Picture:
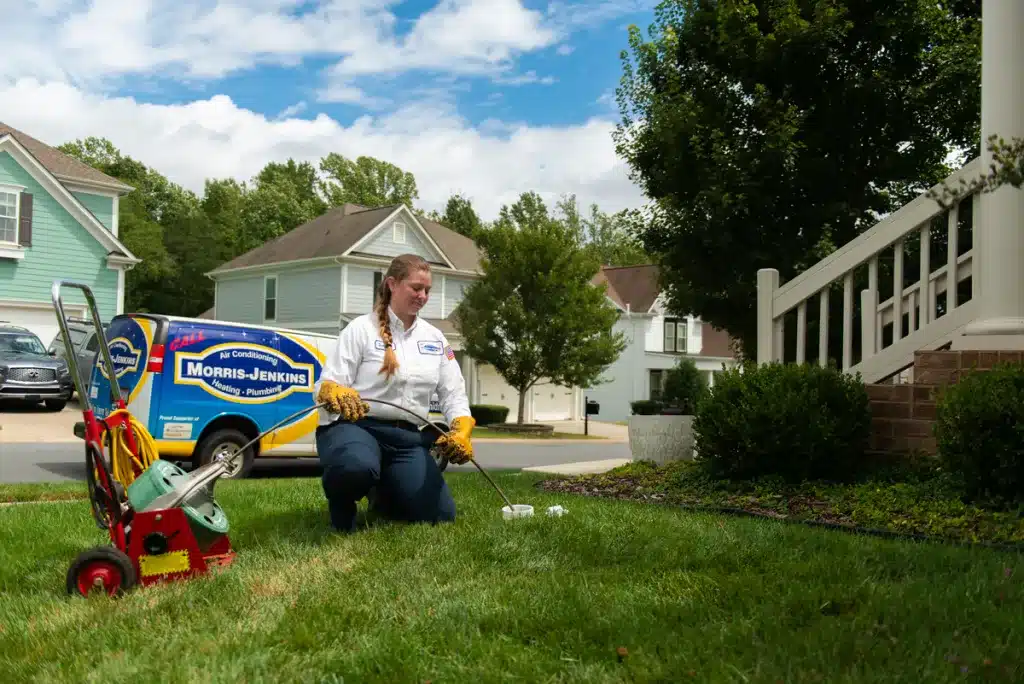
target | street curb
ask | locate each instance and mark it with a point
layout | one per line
(545, 440)
(579, 467)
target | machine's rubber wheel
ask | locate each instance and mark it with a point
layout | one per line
(226, 439)
(104, 568)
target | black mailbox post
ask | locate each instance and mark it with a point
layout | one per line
(590, 408)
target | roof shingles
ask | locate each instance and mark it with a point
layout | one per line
(334, 232)
(62, 165)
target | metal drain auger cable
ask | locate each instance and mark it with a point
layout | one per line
(321, 405)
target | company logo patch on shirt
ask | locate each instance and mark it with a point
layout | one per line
(449, 352)
(428, 347)
(379, 344)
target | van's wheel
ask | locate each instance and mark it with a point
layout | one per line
(226, 441)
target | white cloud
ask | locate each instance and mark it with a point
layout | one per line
(214, 138)
(97, 43)
(64, 60)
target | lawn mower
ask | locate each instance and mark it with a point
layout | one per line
(163, 522)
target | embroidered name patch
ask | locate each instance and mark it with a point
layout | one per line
(427, 347)
(379, 344)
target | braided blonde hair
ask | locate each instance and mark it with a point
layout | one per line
(400, 268)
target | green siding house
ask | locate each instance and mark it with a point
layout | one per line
(58, 220)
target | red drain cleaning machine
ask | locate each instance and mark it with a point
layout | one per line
(164, 523)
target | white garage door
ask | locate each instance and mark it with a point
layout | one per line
(40, 319)
(551, 402)
(495, 391)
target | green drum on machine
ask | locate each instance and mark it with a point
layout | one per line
(206, 518)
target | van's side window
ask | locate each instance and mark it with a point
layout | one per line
(93, 344)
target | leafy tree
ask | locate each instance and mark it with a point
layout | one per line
(612, 237)
(769, 133)
(460, 216)
(1007, 168)
(366, 181)
(140, 216)
(534, 313)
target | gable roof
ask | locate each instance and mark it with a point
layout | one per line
(336, 231)
(638, 287)
(635, 286)
(64, 167)
(116, 251)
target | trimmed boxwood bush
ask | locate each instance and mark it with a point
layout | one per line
(646, 407)
(979, 431)
(488, 414)
(795, 422)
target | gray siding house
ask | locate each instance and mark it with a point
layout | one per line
(324, 273)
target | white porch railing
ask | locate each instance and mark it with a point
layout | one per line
(914, 309)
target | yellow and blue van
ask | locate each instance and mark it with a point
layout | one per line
(201, 387)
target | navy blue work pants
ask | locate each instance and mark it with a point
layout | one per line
(360, 456)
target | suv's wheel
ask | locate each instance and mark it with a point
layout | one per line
(226, 441)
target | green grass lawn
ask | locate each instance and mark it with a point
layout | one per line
(614, 591)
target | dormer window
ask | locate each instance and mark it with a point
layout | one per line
(675, 335)
(398, 233)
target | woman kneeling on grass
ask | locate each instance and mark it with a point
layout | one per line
(374, 450)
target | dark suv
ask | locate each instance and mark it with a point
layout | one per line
(85, 343)
(28, 372)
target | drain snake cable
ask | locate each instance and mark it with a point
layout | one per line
(123, 463)
(122, 459)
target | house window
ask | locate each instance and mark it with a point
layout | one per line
(270, 298)
(675, 335)
(657, 385)
(9, 216)
(398, 232)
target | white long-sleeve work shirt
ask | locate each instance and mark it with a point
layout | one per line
(426, 364)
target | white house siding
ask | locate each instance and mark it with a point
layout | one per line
(625, 379)
(628, 379)
(654, 338)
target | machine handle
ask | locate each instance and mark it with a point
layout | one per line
(58, 305)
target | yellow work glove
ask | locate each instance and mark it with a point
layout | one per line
(456, 444)
(344, 401)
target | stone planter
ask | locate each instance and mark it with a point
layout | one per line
(661, 438)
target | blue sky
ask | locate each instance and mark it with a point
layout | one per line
(207, 88)
(555, 85)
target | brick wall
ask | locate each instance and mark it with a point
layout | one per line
(903, 416)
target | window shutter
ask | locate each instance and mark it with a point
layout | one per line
(25, 223)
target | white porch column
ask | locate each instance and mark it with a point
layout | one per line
(999, 230)
(469, 376)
